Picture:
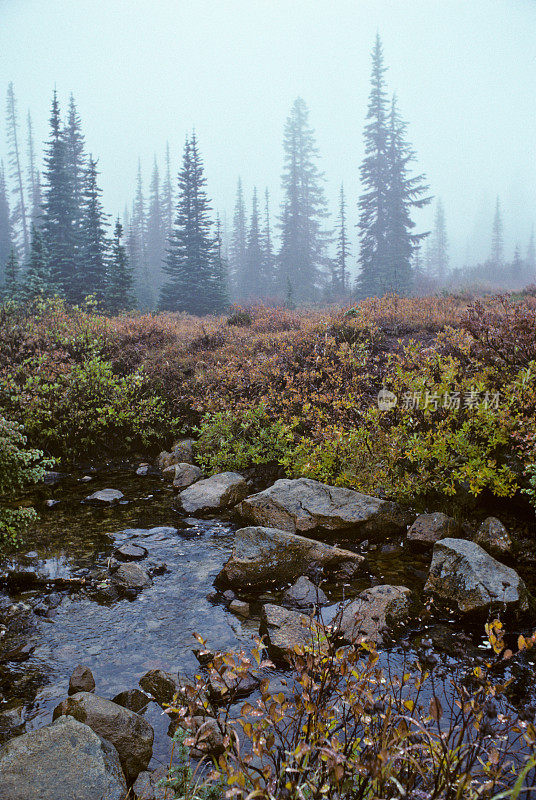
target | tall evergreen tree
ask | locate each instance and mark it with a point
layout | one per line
(497, 241)
(341, 276)
(518, 268)
(238, 243)
(252, 282)
(120, 294)
(167, 197)
(18, 213)
(59, 212)
(6, 236)
(268, 258)
(93, 250)
(192, 283)
(439, 245)
(220, 278)
(137, 247)
(11, 277)
(155, 233)
(530, 260)
(37, 280)
(302, 254)
(34, 180)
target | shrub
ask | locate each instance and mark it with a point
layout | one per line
(19, 466)
(231, 440)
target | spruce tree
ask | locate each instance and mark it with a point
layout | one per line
(138, 248)
(439, 256)
(220, 278)
(6, 235)
(238, 244)
(303, 241)
(18, 213)
(37, 279)
(155, 249)
(191, 265)
(497, 242)
(252, 282)
(341, 276)
(93, 244)
(268, 259)
(11, 277)
(120, 293)
(34, 180)
(167, 198)
(60, 213)
(518, 268)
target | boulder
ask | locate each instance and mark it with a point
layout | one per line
(493, 537)
(105, 497)
(430, 528)
(161, 685)
(374, 613)
(464, 576)
(147, 785)
(130, 734)
(63, 761)
(181, 453)
(240, 608)
(185, 475)
(133, 699)
(303, 505)
(206, 737)
(267, 555)
(219, 491)
(129, 580)
(304, 594)
(130, 552)
(81, 680)
(229, 685)
(286, 630)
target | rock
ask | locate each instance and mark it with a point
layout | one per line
(146, 785)
(51, 503)
(493, 537)
(130, 734)
(211, 494)
(185, 475)
(430, 528)
(267, 555)
(129, 580)
(230, 686)
(161, 685)
(370, 616)
(181, 453)
(130, 552)
(81, 680)
(63, 761)
(304, 594)
(464, 575)
(11, 718)
(143, 470)
(51, 478)
(169, 473)
(133, 699)
(303, 505)
(106, 497)
(240, 608)
(207, 739)
(285, 630)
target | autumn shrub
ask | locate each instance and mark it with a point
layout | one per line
(504, 332)
(20, 466)
(349, 726)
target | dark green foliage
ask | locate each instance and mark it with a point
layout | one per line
(137, 248)
(238, 244)
(93, 245)
(120, 295)
(11, 277)
(37, 280)
(193, 267)
(303, 241)
(6, 236)
(341, 280)
(253, 282)
(156, 242)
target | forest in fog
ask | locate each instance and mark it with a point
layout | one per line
(172, 250)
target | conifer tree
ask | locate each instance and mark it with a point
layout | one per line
(120, 294)
(167, 199)
(220, 280)
(341, 277)
(18, 212)
(155, 232)
(518, 268)
(11, 277)
(253, 282)
(238, 244)
(34, 180)
(37, 279)
(302, 254)
(6, 236)
(497, 241)
(191, 265)
(59, 212)
(268, 259)
(93, 249)
(138, 247)
(530, 260)
(439, 256)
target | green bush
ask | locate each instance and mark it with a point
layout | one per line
(231, 440)
(19, 467)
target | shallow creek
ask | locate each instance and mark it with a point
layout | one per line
(52, 629)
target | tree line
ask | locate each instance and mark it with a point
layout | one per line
(178, 255)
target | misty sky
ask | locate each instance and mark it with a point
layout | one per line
(146, 71)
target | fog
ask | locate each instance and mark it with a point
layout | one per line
(143, 73)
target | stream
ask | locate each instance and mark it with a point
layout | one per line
(47, 630)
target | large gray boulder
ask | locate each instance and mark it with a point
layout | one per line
(463, 575)
(304, 505)
(374, 614)
(493, 537)
(151, 785)
(130, 734)
(304, 594)
(185, 475)
(220, 491)
(286, 630)
(181, 452)
(63, 761)
(430, 528)
(267, 555)
(161, 685)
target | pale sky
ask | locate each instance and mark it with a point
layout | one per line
(143, 72)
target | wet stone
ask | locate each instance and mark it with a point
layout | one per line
(105, 497)
(81, 680)
(130, 552)
(133, 699)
